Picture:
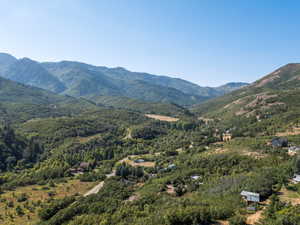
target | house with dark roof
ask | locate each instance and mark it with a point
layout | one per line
(279, 142)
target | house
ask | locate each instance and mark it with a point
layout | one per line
(226, 136)
(84, 166)
(278, 142)
(76, 171)
(296, 178)
(168, 168)
(195, 177)
(293, 150)
(171, 166)
(250, 196)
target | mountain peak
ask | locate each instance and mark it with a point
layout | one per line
(30, 72)
(282, 76)
(119, 69)
(6, 58)
(231, 86)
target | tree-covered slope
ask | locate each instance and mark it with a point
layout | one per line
(229, 87)
(88, 81)
(29, 72)
(266, 105)
(187, 176)
(21, 102)
(267, 91)
(141, 106)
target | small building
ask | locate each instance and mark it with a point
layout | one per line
(279, 142)
(250, 196)
(227, 136)
(293, 150)
(73, 171)
(172, 166)
(168, 168)
(76, 171)
(195, 177)
(296, 178)
(84, 166)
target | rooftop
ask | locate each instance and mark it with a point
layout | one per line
(247, 193)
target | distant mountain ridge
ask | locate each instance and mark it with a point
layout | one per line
(83, 80)
(232, 86)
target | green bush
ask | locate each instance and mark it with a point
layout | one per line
(237, 220)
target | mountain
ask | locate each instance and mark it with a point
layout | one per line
(21, 102)
(5, 61)
(69, 161)
(29, 72)
(229, 87)
(88, 81)
(286, 77)
(272, 101)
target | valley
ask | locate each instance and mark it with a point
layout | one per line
(149, 112)
(69, 160)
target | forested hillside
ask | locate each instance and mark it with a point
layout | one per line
(94, 82)
(108, 166)
(186, 174)
(266, 105)
(19, 102)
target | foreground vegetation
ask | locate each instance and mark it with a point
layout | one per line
(111, 166)
(43, 153)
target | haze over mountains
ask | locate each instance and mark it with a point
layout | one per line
(100, 84)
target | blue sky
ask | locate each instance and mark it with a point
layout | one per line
(207, 42)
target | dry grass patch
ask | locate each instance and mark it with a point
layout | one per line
(162, 118)
(170, 189)
(254, 218)
(290, 132)
(219, 150)
(35, 193)
(133, 198)
(255, 155)
(83, 140)
(144, 164)
(289, 196)
(130, 160)
(222, 222)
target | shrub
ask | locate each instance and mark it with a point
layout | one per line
(22, 198)
(237, 220)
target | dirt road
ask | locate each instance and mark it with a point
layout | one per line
(98, 187)
(95, 189)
